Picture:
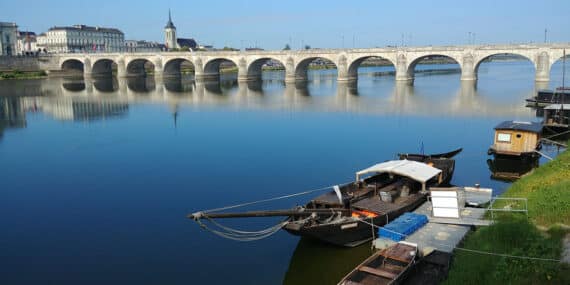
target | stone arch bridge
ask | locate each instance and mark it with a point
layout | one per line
(249, 64)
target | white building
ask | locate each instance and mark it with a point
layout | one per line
(27, 43)
(8, 38)
(143, 46)
(82, 38)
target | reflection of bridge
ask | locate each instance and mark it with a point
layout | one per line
(400, 98)
(249, 64)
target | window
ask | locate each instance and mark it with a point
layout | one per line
(503, 137)
(519, 136)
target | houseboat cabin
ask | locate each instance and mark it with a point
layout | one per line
(557, 117)
(513, 138)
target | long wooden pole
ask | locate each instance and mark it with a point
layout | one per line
(272, 213)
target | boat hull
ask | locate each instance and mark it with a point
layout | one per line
(350, 233)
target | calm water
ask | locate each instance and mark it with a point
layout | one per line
(98, 176)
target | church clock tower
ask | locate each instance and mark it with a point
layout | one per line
(170, 34)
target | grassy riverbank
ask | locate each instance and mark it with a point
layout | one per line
(548, 193)
(22, 74)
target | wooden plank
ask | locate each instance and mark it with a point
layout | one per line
(400, 252)
(378, 272)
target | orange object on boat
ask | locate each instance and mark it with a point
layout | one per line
(363, 213)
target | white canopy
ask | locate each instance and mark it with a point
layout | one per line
(418, 171)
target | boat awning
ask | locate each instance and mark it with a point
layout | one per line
(417, 171)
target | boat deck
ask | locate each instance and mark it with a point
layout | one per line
(375, 204)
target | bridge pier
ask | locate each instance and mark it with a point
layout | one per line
(542, 67)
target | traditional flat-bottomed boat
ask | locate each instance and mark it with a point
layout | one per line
(345, 216)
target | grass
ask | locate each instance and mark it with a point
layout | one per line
(515, 236)
(548, 192)
(16, 74)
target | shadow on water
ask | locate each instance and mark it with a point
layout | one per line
(317, 263)
(511, 169)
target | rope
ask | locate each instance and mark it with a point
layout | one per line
(268, 200)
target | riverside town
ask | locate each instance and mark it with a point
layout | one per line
(294, 143)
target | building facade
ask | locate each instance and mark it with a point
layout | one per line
(81, 38)
(8, 39)
(143, 46)
(27, 43)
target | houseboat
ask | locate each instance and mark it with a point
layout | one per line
(516, 139)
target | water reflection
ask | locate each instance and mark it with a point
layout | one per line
(141, 84)
(321, 96)
(511, 169)
(12, 114)
(317, 263)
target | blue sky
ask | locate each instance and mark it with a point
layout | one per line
(272, 24)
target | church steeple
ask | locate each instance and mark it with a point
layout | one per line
(170, 33)
(169, 24)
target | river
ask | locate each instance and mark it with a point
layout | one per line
(99, 175)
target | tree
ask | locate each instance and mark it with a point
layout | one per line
(307, 47)
(287, 47)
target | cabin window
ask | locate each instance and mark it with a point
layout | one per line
(502, 137)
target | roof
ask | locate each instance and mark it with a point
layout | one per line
(418, 171)
(532, 127)
(191, 43)
(26, 33)
(557, 107)
(86, 28)
(169, 24)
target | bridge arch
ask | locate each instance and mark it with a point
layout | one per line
(555, 71)
(489, 56)
(352, 72)
(73, 67)
(140, 67)
(411, 70)
(212, 68)
(507, 57)
(255, 68)
(103, 67)
(319, 62)
(177, 66)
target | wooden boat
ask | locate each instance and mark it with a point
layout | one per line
(516, 139)
(557, 118)
(544, 98)
(387, 266)
(426, 157)
(345, 216)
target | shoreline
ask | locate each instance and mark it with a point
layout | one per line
(540, 235)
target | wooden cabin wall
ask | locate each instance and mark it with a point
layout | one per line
(526, 143)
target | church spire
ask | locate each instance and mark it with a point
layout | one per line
(169, 24)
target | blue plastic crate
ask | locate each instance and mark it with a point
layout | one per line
(403, 226)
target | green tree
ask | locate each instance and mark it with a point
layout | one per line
(287, 47)
(307, 47)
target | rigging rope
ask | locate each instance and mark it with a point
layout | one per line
(269, 199)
